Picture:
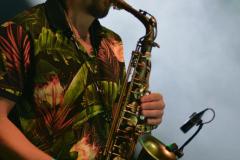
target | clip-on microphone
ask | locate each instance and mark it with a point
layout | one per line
(195, 119)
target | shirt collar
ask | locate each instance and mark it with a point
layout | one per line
(57, 21)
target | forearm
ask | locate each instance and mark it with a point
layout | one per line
(14, 142)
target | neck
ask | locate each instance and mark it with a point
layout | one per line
(79, 20)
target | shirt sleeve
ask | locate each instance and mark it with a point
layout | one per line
(14, 60)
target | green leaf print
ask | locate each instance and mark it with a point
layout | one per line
(87, 114)
(93, 104)
(56, 45)
(77, 86)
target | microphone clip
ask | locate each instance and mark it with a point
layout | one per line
(194, 120)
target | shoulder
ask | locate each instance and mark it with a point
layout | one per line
(110, 34)
(114, 42)
(12, 33)
(14, 38)
(34, 15)
(30, 20)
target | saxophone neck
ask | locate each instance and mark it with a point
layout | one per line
(149, 21)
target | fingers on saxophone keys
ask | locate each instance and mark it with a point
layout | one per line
(152, 121)
(152, 113)
(152, 97)
(159, 105)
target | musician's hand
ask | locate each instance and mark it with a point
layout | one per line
(152, 106)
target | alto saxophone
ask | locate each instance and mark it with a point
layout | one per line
(128, 127)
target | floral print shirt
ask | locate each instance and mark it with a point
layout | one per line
(57, 105)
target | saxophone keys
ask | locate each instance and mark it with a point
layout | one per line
(127, 119)
(117, 146)
(121, 131)
(156, 45)
(132, 113)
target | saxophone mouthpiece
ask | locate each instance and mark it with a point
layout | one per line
(118, 4)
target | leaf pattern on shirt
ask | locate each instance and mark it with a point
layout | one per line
(15, 48)
(50, 111)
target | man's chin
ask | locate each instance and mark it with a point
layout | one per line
(99, 14)
(102, 15)
(100, 8)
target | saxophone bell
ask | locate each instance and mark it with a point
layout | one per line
(154, 149)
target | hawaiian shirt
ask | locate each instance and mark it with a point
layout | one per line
(58, 107)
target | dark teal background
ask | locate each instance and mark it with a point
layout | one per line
(8, 8)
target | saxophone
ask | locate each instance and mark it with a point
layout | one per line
(128, 128)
